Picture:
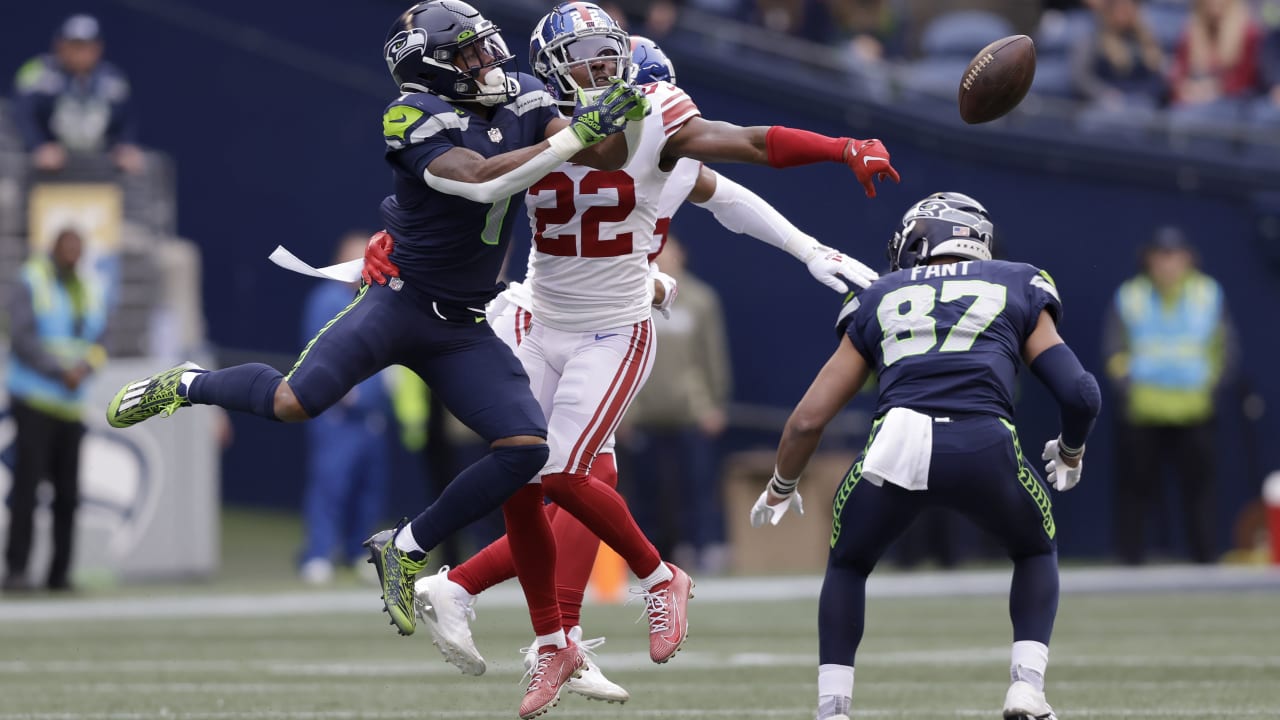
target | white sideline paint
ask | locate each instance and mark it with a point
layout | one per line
(1174, 578)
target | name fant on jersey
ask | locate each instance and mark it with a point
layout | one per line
(924, 272)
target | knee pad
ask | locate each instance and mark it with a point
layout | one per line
(522, 462)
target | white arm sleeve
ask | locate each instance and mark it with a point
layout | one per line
(742, 211)
(563, 145)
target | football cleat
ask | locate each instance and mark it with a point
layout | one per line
(448, 609)
(396, 572)
(144, 399)
(1024, 702)
(591, 683)
(667, 607)
(551, 669)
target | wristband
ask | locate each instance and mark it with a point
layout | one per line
(782, 487)
(1069, 453)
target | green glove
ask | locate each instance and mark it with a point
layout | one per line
(609, 113)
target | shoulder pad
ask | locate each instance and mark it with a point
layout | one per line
(414, 117)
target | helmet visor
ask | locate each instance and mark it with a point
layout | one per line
(484, 51)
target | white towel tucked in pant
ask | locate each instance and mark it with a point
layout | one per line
(901, 452)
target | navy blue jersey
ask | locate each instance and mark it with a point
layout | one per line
(948, 338)
(449, 248)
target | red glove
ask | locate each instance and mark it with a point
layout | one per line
(869, 160)
(377, 259)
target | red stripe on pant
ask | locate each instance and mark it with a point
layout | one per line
(617, 408)
(610, 407)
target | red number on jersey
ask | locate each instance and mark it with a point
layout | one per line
(564, 210)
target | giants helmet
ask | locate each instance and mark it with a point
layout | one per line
(651, 64)
(446, 48)
(944, 224)
(572, 35)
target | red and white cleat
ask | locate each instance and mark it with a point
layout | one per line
(553, 668)
(667, 606)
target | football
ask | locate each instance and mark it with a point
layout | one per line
(997, 79)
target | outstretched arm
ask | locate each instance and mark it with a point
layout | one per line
(742, 211)
(1072, 386)
(779, 147)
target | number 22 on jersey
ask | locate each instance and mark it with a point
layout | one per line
(906, 317)
(613, 198)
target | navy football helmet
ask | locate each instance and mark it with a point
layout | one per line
(447, 48)
(577, 36)
(944, 224)
(651, 64)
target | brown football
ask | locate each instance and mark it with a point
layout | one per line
(997, 79)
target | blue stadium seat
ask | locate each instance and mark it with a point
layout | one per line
(1053, 77)
(1059, 31)
(963, 33)
(937, 77)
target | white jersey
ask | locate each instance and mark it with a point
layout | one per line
(593, 230)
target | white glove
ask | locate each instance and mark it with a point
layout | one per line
(829, 266)
(1061, 477)
(669, 286)
(762, 511)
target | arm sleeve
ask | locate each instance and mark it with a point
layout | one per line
(510, 183)
(1075, 389)
(742, 211)
(24, 336)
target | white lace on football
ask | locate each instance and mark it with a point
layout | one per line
(655, 607)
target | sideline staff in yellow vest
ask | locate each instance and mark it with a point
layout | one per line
(1169, 343)
(56, 322)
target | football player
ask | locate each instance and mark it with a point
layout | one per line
(463, 139)
(511, 316)
(946, 332)
(588, 347)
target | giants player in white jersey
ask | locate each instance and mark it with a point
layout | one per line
(590, 345)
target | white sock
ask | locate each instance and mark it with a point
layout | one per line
(1028, 662)
(835, 680)
(657, 577)
(556, 638)
(406, 542)
(835, 690)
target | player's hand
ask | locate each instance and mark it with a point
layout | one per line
(377, 259)
(778, 497)
(608, 113)
(832, 267)
(869, 160)
(665, 290)
(1062, 472)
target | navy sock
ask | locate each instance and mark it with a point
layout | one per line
(842, 610)
(1033, 596)
(477, 491)
(248, 388)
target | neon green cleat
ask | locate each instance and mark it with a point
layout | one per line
(143, 399)
(397, 572)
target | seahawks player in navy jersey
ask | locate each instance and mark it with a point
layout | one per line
(464, 140)
(946, 332)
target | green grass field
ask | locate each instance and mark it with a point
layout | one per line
(1197, 655)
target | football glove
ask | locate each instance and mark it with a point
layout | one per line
(763, 511)
(1056, 471)
(608, 113)
(869, 160)
(670, 288)
(377, 259)
(832, 267)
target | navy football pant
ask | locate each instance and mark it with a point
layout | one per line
(977, 469)
(473, 373)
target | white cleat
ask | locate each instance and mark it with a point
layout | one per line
(1024, 702)
(591, 682)
(448, 609)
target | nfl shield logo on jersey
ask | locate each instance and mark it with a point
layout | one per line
(495, 135)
